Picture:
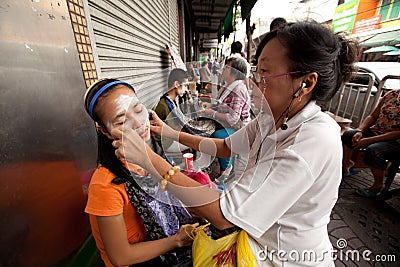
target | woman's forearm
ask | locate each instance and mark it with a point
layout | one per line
(145, 251)
(210, 146)
(367, 123)
(200, 198)
(220, 116)
(386, 137)
(121, 252)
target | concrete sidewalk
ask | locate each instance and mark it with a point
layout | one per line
(361, 226)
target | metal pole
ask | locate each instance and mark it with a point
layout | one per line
(249, 34)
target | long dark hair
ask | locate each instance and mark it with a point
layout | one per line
(105, 151)
(312, 47)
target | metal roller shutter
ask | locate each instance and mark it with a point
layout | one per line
(129, 39)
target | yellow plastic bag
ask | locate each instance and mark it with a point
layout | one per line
(245, 256)
(229, 251)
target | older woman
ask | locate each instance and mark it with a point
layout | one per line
(290, 185)
(233, 108)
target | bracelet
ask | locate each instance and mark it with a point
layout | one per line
(167, 177)
(359, 131)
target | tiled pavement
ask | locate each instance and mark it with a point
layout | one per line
(365, 232)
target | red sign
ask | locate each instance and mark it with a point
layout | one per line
(366, 25)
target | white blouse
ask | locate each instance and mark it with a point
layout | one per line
(284, 200)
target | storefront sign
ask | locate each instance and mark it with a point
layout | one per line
(209, 43)
(345, 14)
(366, 25)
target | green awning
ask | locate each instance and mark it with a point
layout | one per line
(382, 48)
(228, 23)
(246, 6)
(384, 38)
(226, 27)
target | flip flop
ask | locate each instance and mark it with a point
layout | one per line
(364, 192)
(350, 172)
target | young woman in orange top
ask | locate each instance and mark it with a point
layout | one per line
(130, 223)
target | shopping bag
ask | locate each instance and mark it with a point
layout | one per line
(201, 177)
(217, 253)
(245, 256)
(222, 252)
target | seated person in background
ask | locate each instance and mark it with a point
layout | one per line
(177, 86)
(379, 134)
(233, 108)
(131, 226)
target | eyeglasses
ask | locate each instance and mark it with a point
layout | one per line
(258, 78)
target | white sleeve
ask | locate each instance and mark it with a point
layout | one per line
(241, 141)
(265, 192)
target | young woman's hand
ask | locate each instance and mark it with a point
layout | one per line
(184, 236)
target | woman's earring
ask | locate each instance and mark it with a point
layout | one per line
(264, 83)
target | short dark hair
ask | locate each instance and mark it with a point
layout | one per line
(312, 47)
(236, 47)
(238, 64)
(277, 23)
(176, 75)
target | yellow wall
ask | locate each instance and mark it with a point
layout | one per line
(391, 23)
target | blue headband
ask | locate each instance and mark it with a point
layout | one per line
(102, 89)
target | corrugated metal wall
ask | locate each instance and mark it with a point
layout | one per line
(129, 38)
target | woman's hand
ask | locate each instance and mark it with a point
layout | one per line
(363, 143)
(356, 138)
(204, 105)
(130, 146)
(207, 112)
(184, 236)
(158, 127)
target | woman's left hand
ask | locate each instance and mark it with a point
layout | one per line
(185, 234)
